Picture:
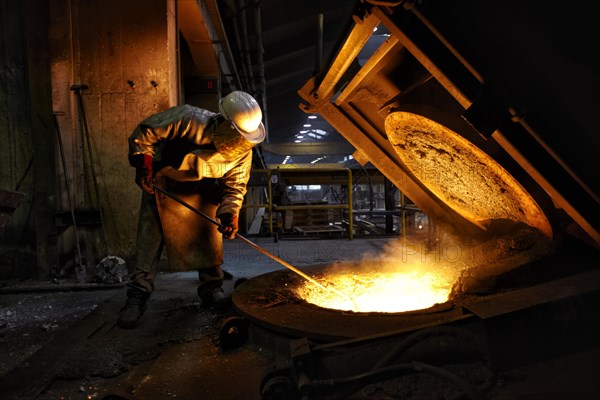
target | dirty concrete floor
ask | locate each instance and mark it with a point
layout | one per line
(62, 343)
(59, 340)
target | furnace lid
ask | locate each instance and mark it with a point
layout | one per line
(460, 174)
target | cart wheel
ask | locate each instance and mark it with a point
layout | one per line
(279, 386)
(233, 333)
(238, 282)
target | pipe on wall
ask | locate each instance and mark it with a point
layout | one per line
(245, 44)
(262, 89)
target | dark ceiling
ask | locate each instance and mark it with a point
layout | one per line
(290, 36)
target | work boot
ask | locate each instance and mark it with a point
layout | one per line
(140, 287)
(134, 308)
(212, 296)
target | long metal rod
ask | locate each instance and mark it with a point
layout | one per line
(77, 89)
(255, 246)
(81, 267)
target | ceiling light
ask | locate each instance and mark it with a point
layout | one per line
(303, 132)
(312, 117)
(300, 136)
(318, 159)
(307, 125)
(297, 141)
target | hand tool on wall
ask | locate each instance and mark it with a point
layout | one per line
(78, 88)
(80, 269)
(329, 289)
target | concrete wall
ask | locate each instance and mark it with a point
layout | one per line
(124, 51)
(16, 146)
(26, 137)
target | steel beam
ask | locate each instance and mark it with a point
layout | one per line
(303, 149)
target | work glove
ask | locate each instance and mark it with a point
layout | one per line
(144, 175)
(229, 225)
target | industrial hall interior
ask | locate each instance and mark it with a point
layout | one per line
(299, 200)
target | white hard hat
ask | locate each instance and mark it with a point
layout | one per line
(245, 115)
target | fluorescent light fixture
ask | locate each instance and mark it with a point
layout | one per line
(312, 117)
(297, 141)
(307, 125)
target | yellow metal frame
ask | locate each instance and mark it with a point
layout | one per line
(270, 207)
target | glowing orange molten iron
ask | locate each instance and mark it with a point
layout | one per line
(380, 291)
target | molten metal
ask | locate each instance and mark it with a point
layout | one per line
(380, 292)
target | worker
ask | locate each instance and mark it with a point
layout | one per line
(200, 157)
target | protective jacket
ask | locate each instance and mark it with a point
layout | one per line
(180, 140)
